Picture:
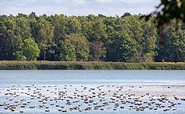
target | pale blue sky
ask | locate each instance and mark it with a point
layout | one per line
(77, 7)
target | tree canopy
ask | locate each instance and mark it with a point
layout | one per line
(88, 38)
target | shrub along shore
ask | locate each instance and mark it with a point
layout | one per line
(66, 65)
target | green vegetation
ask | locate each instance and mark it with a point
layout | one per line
(89, 38)
(167, 11)
(28, 51)
(70, 65)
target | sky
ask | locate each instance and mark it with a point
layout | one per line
(77, 7)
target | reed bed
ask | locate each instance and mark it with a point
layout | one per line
(68, 65)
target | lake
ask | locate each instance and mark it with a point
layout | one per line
(92, 91)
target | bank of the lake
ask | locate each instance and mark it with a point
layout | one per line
(67, 65)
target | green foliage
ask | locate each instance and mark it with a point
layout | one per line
(98, 30)
(81, 47)
(98, 51)
(9, 40)
(167, 11)
(73, 25)
(45, 36)
(19, 56)
(121, 48)
(59, 24)
(145, 35)
(67, 52)
(23, 29)
(28, 51)
(88, 38)
(173, 48)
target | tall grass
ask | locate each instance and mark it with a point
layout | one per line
(66, 65)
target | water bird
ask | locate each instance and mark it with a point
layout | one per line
(47, 110)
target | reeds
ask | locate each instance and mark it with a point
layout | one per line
(68, 65)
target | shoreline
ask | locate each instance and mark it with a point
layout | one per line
(93, 65)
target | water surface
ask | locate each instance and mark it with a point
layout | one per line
(48, 82)
(61, 77)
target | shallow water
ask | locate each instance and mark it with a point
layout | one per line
(51, 82)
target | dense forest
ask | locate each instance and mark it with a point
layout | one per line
(89, 38)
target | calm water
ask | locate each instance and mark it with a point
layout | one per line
(58, 77)
(90, 78)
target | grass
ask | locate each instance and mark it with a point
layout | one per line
(68, 65)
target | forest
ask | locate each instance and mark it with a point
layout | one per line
(128, 38)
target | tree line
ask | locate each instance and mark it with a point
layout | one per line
(89, 38)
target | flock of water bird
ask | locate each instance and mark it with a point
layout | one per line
(69, 98)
